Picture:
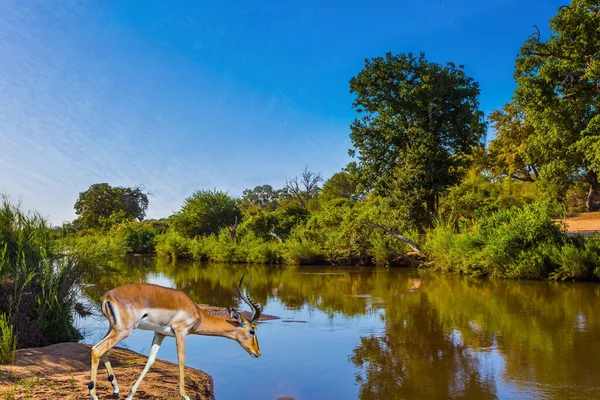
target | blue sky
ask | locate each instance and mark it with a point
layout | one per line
(180, 96)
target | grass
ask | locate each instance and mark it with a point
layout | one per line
(8, 341)
(38, 280)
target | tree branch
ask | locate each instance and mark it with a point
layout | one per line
(411, 244)
(276, 236)
(537, 35)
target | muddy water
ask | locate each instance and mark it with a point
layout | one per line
(374, 333)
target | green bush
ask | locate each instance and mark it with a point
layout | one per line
(173, 245)
(514, 243)
(301, 248)
(138, 237)
(578, 259)
(220, 247)
(205, 212)
(477, 195)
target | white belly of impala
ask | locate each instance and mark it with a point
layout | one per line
(163, 330)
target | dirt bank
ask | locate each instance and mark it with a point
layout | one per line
(62, 371)
(583, 223)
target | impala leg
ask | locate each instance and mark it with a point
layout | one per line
(110, 340)
(111, 376)
(156, 342)
(180, 341)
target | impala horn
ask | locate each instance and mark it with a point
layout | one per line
(256, 309)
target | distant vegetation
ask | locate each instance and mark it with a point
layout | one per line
(421, 169)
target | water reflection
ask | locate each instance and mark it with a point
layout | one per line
(442, 337)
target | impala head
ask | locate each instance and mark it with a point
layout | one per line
(245, 334)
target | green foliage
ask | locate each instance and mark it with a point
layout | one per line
(206, 212)
(264, 197)
(102, 206)
(558, 90)
(340, 185)
(260, 223)
(138, 237)
(418, 119)
(174, 246)
(508, 153)
(578, 259)
(38, 279)
(25, 240)
(576, 195)
(339, 230)
(477, 194)
(516, 240)
(520, 242)
(289, 215)
(8, 341)
(96, 249)
(301, 248)
(220, 248)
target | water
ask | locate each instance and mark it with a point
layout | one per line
(374, 333)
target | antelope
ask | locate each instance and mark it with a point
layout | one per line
(167, 312)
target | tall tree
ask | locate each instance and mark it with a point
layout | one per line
(304, 188)
(417, 119)
(101, 205)
(559, 89)
(509, 153)
(263, 196)
(340, 185)
(206, 212)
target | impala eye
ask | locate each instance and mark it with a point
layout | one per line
(251, 331)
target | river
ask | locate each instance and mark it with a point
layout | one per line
(376, 333)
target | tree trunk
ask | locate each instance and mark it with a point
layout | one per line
(431, 206)
(590, 202)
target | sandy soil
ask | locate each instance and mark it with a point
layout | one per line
(583, 223)
(62, 371)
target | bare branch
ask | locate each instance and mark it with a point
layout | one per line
(233, 229)
(276, 236)
(305, 188)
(537, 34)
(411, 244)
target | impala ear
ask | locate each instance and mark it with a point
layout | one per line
(235, 315)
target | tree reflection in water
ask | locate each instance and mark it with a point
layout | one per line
(438, 330)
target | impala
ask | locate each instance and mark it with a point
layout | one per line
(167, 312)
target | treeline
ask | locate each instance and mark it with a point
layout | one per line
(421, 169)
(422, 173)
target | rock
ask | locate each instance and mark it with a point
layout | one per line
(62, 371)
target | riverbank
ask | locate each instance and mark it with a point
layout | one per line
(586, 224)
(62, 371)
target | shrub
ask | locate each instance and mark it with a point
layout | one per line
(578, 259)
(301, 248)
(514, 243)
(205, 212)
(220, 247)
(174, 246)
(138, 237)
